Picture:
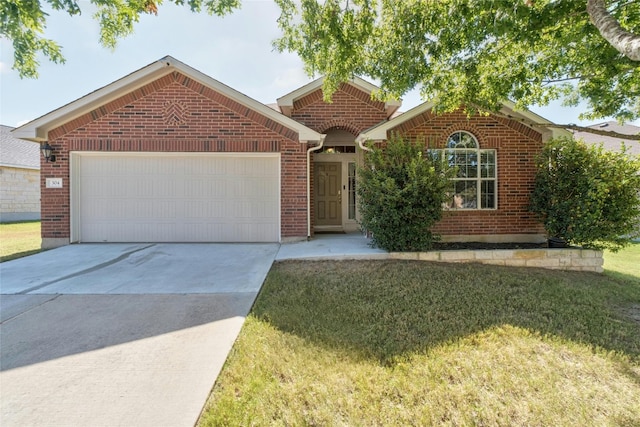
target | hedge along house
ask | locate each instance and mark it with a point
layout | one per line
(168, 154)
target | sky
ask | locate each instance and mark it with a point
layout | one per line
(235, 50)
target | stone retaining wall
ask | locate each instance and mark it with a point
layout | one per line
(554, 259)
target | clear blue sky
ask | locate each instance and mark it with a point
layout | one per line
(235, 50)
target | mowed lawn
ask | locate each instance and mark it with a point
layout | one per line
(386, 343)
(19, 239)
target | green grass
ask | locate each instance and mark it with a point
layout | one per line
(19, 239)
(625, 263)
(368, 343)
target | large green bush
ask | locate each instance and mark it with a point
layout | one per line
(401, 191)
(587, 196)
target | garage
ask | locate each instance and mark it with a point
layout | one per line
(175, 197)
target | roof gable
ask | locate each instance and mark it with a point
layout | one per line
(285, 103)
(526, 118)
(38, 129)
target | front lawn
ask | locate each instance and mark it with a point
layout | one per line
(19, 239)
(414, 343)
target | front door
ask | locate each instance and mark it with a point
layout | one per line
(328, 186)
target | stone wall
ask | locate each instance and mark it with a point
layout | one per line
(554, 259)
(19, 194)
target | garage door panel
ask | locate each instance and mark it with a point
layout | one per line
(178, 198)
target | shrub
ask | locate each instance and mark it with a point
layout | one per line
(401, 190)
(587, 196)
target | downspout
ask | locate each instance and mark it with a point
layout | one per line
(316, 148)
(361, 139)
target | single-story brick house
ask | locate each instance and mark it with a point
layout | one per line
(169, 154)
(19, 178)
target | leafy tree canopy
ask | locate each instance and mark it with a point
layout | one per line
(459, 52)
(476, 53)
(24, 21)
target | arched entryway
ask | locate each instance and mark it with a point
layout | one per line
(334, 178)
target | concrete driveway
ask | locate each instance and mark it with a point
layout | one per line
(121, 334)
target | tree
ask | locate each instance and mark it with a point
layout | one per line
(587, 196)
(23, 23)
(459, 52)
(401, 191)
(476, 53)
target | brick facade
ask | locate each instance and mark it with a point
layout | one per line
(516, 148)
(351, 110)
(175, 114)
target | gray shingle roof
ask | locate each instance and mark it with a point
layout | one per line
(610, 143)
(16, 153)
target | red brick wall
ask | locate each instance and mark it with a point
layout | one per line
(516, 147)
(351, 110)
(175, 114)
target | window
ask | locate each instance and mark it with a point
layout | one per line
(352, 190)
(474, 186)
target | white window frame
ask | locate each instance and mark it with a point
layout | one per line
(473, 147)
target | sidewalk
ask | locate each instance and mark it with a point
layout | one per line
(331, 246)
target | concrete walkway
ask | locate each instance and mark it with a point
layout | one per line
(331, 246)
(131, 334)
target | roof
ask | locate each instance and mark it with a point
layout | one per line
(38, 129)
(285, 103)
(526, 117)
(16, 153)
(612, 143)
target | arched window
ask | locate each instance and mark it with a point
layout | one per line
(474, 186)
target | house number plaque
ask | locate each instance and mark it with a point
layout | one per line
(54, 182)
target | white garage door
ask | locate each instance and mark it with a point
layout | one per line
(195, 197)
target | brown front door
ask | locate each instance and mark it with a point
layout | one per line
(328, 186)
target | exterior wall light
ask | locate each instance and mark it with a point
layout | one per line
(47, 151)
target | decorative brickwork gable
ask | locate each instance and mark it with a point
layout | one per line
(175, 114)
(516, 148)
(351, 109)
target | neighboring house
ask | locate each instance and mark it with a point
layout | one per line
(168, 154)
(611, 143)
(19, 178)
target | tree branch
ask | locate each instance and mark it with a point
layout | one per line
(622, 40)
(608, 133)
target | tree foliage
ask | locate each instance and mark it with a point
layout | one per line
(401, 191)
(459, 52)
(23, 23)
(587, 196)
(475, 53)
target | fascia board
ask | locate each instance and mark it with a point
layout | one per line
(37, 130)
(379, 133)
(288, 99)
(509, 107)
(304, 133)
